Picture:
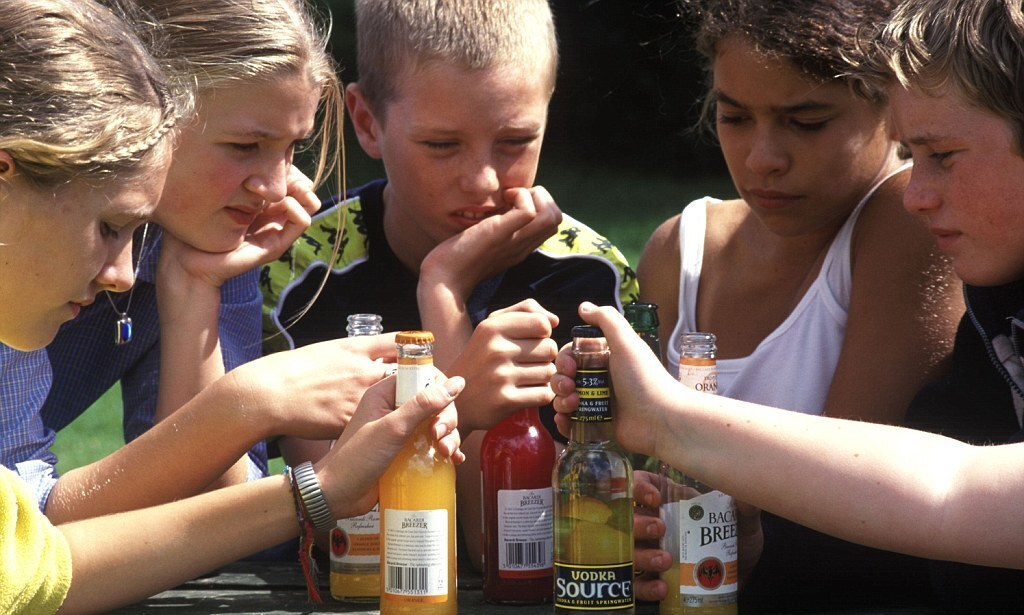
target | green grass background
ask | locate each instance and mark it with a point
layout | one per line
(624, 206)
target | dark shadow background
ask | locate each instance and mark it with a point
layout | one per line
(627, 92)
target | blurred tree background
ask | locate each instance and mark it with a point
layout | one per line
(628, 87)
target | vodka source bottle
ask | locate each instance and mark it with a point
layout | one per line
(593, 483)
(355, 542)
(417, 504)
(516, 459)
(700, 522)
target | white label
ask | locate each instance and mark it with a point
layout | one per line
(416, 552)
(703, 378)
(525, 529)
(705, 528)
(412, 378)
(358, 539)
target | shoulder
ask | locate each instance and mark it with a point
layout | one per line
(575, 240)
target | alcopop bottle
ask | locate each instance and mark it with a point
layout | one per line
(516, 460)
(417, 504)
(593, 483)
(643, 318)
(700, 522)
(355, 542)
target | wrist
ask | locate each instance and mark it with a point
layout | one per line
(311, 498)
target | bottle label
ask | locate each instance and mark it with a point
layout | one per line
(703, 378)
(705, 527)
(594, 588)
(417, 554)
(592, 385)
(357, 540)
(413, 376)
(524, 533)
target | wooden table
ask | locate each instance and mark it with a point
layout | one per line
(278, 588)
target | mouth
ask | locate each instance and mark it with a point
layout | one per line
(945, 238)
(473, 215)
(244, 215)
(771, 199)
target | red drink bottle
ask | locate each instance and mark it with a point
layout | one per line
(517, 457)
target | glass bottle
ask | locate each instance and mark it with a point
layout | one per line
(417, 504)
(593, 483)
(516, 459)
(700, 522)
(355, 542)
(643, 317)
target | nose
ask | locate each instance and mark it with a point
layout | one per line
(767, 155)
(117, 273)
(920, 197)
(271, 182)
(480, 176)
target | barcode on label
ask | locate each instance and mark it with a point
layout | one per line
(527, 554)
(406, 580)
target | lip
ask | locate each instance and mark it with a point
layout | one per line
(243, 215)
(771, 199)
(945, 238)
(470, 216)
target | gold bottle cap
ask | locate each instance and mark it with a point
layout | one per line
(414, 337)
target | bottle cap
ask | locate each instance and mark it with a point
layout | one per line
(586, 331)
(414, 337)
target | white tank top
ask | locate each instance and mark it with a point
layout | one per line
(792, 368)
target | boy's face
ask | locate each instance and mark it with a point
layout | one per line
(967, 183)
(452, 141)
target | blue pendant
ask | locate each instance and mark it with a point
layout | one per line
(124, 330)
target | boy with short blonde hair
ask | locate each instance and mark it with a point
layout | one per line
(453, 96)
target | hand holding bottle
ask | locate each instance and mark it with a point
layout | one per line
(507, 364)
(349, 472)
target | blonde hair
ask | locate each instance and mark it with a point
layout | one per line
(213, 43)
(80, 98)
(976, 47)
(398, 36)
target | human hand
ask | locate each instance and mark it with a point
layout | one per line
(507, 364)
(641, 387)
(749, 538)
(313, 391)
(273, 231)
(494, 244)
(649, 559)
(350, 471)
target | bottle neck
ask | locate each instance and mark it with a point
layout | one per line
(582, 432)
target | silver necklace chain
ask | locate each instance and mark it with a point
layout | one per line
(123, 333)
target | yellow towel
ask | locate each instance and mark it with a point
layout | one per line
(35, 559)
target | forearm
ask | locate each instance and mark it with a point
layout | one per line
(881, 486)
(178, 457)
(122, 558)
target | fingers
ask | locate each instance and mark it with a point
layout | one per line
(649, 589)
(529, 306)
(300, 188)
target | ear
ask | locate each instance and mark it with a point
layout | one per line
(6, 165)
(364, 122)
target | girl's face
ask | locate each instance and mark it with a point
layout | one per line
(233, 159)
(801, 154)
(60, 248)
(967, 183)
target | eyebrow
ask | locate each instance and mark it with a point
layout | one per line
(262, 134)
(784, 109)
(925, 139)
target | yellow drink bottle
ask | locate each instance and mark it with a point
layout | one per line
(355, 542)
(593, 496)
(417, 505)
(700, 522)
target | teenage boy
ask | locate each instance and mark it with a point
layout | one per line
(453, 98)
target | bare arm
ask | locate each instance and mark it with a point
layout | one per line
(878, 485)
(159, 547)
(273, 395)
(658, 276)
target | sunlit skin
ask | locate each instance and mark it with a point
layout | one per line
(234, 157)
(60, 248)
(452, 141)
(967, 180)
(774, 124)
